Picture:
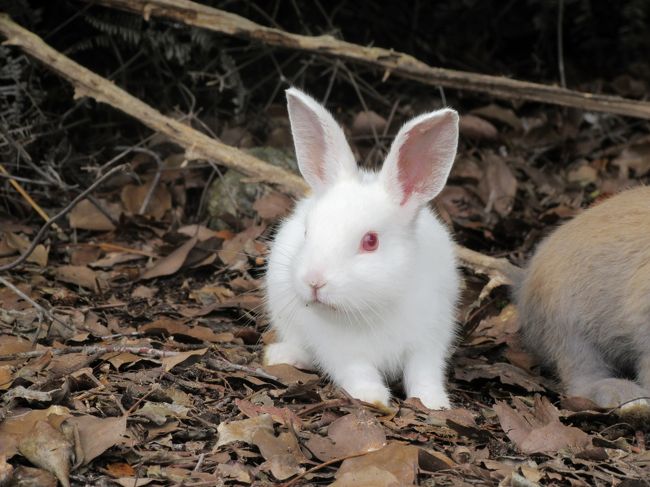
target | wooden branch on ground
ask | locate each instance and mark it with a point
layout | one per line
(197, 145)
(388, 61)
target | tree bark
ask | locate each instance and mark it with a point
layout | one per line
(388, 61)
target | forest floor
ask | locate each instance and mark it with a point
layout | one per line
(131, 346)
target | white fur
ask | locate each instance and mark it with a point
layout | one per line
(382, 313)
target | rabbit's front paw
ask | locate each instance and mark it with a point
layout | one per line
(287, 353)
(371, 392)
(434, 400)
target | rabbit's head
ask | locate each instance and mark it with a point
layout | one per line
(359, 247)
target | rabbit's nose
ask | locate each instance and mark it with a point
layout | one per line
(315, 280)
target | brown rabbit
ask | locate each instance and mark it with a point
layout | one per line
(584, 302)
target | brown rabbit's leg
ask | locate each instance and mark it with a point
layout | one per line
(585, 372)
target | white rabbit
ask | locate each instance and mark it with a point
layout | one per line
(362, 279)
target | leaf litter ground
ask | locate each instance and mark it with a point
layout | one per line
(151, 373)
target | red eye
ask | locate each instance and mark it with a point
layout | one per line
(370, 242)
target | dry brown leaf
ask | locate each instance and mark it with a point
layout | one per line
(159, 412)
(20, 244)
(238, 248)
(499, 186)
(282, 452)
(366, 123)
(371, 476)
(133, 196)
(111, 259)
(353, 434)
(13, 428)
(144, 292)
(79, 275)
(583, 174)
(95, 435)
(6, 471)
(636, 158)
(6, 374)
(170, 362)
(172, 263)
(167, 326)
(86, 216)
(539, 430)
(289, 375)
(474, 127)
(32, 477)
(243, 430)
(134, 481)
(10, 344)
(506, 373)
(233, 470)
(284, 416)
(399, 459)
(273, 205)
(500, 114)
(47, 448)
(118, 470)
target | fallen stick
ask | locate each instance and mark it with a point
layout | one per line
(387, 60)
(196, 144)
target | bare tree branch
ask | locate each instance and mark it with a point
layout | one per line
(387, 60)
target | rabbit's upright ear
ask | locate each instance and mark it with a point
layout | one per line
(323, 153)
(419, 161)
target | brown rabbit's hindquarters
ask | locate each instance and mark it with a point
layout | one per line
(584, 303)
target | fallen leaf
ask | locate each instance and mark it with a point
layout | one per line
(32, 477)
(20, 245)
(238, 248)
(172, 263)
(499, 186)
(10, 344)
(233, 470)
(368, 477)
(506, 373)
(353, 434)
(289, 375)
(47, 448)
(79, 275)
(474, 127)
(367, 123)
(86, 216)
(133, 196)
(397, 458)
(243, 430)
(172, 361)
(144, 292)
(539, 430)
(273, 205)
(583, 174)
(6, 374)
(159, 412)
(15, 427)
(167, 326)
(118, 470)
(282, 452)
(635, 158)
(95, 435)
(500, 114)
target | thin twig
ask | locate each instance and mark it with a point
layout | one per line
(156, 178)
(560, 42)
(42, 312)
(223, 365)
(41, 233)
(92, 350)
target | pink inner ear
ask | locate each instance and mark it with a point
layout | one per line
(309, 138)
(421, 160)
